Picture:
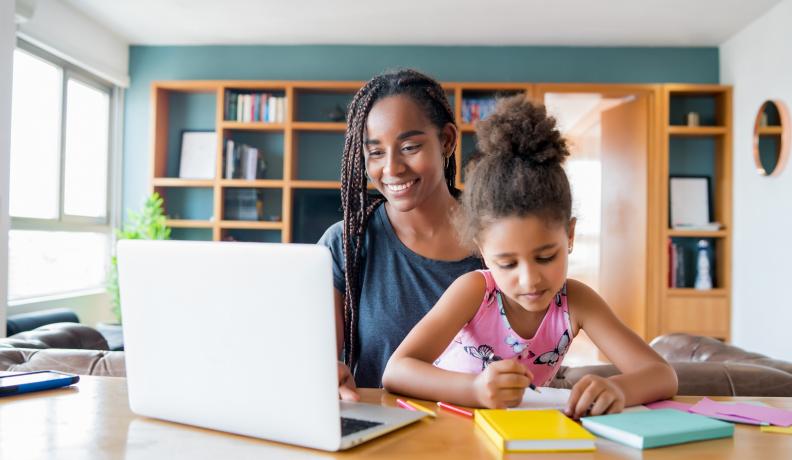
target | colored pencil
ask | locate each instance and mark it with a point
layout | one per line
(421, 408)
(455, 409)
(403, 404)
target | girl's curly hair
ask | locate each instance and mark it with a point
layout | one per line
(517, 169)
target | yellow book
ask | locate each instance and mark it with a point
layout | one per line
(533, 430)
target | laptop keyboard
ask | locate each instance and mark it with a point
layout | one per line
(353, 425)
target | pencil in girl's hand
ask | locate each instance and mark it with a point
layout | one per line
(455, 409)
(534, 388)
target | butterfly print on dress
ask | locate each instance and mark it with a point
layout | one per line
(516, 346)
(551, 357)
(485, 353)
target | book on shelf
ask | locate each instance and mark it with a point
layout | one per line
(243, 161)
(254, 107)
(533, 431)
(676, 265)
(477, 109)
(655, 428)
(241, 204)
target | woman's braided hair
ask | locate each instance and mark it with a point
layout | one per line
(358, 205)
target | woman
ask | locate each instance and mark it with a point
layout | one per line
(394, 254)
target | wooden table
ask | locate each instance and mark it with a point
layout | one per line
(93, 420)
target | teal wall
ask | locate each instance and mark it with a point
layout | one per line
(457, 63)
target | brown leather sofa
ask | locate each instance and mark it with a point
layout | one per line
(66, 347)
(704, 366)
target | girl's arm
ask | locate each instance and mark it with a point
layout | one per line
(645, 375)
(410, 370)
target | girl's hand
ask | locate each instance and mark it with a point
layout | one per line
(502, 384)
(594, 395)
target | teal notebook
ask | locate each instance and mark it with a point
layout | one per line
(655, 428)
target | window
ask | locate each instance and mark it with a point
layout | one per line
(59, 196)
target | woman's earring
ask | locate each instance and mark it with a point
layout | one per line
(570, 249)
(446, 160)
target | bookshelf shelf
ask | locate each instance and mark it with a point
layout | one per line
(319, 126)
(317, 184)
(697, 130)
(258, 183)
(697, 233)
(251, 225)
(183, 223)
(176, 182)
(691, 292)
(467, 128)
(252, 126)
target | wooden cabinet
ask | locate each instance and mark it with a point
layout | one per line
(701, 149)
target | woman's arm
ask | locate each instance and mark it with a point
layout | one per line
(410, 370)
(645, 375)
(347, 390)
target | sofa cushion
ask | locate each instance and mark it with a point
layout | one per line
(695, 348)
(58, 335)
(82, 362)
(702, 378)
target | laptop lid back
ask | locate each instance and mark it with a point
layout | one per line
(238, 337)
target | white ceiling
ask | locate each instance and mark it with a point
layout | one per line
(426, 22)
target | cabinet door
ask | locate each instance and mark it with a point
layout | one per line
(625, 139)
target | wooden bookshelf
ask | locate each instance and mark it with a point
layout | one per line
(684, 309)
(301, 190)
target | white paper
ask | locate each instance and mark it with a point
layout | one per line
(555, 398)
(549, 398)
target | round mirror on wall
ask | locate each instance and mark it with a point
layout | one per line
(771, 138)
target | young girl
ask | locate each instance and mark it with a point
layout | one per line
(495, 331)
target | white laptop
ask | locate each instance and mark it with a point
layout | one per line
(240, 337)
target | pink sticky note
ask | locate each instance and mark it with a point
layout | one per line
(773, 415)
(669, 404)
(714, 409)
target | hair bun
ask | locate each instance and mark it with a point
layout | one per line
(519, 128)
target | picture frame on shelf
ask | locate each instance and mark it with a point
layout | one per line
(197, 154)
(690, 202)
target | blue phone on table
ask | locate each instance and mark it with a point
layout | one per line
(14, 384)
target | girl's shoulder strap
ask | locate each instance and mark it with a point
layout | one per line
(490, 281)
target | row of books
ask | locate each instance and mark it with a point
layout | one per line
(243, 162)
(691, 266)
(264, 107)
(476, 109)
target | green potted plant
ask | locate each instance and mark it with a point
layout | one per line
(148, 224)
